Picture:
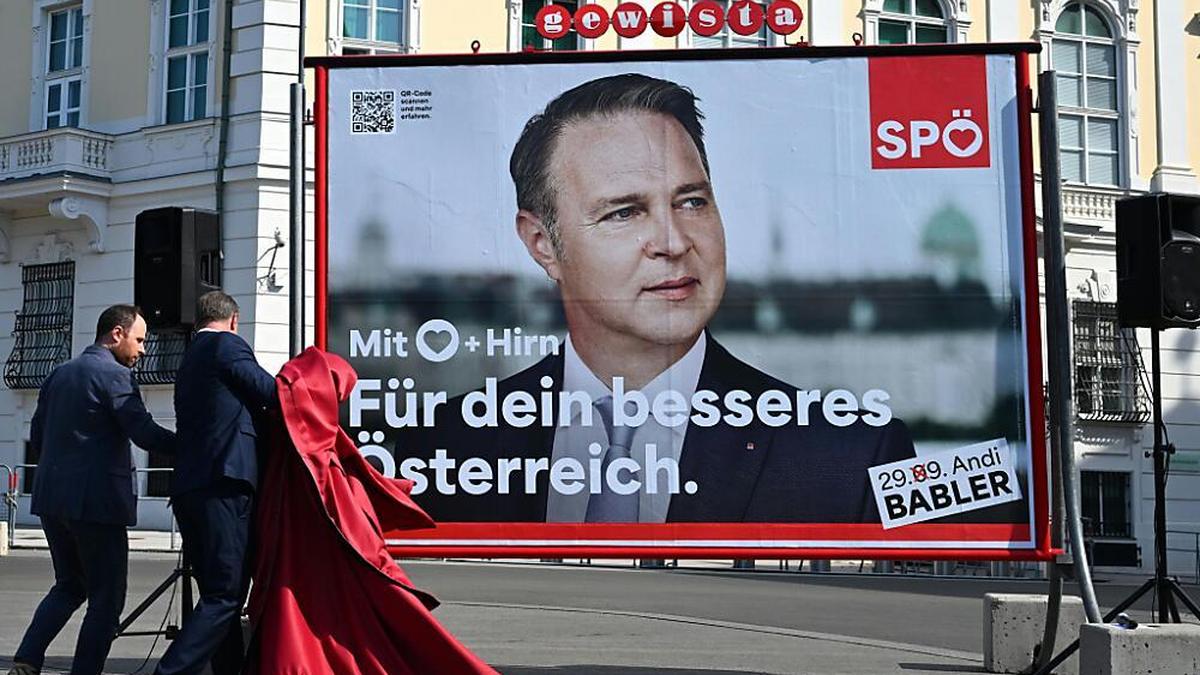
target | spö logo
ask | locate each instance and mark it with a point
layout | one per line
(929, 113)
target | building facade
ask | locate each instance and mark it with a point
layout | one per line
(121, 106)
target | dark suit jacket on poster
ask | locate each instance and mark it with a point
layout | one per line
(219, 388)
(815, 473)
(88, 410)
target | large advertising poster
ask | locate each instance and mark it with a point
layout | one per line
(780, 303)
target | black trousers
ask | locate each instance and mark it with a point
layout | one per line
(91, 562)
(215, 523)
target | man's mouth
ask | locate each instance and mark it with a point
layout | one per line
(680, 288)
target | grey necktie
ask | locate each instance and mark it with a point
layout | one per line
(608, 506)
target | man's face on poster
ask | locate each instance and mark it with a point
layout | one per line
(641, 255)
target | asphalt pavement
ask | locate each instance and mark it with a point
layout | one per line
(611, 618)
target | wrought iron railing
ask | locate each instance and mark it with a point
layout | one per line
(1108, 372)
(164, 353)
(42, 333)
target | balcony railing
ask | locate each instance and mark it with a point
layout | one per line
(1087, 205)
(54, 151)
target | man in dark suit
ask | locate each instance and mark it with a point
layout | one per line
(219, 391)
(88, 410)
(616, 206)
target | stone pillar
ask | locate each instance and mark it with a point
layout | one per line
(1173, 173)
(824, 21)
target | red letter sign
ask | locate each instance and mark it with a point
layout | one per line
(929, 113)
(707, 18)
(668, 19)
(591, 21)
(629, 19)
(784, 17)
(552, 22)
(745, 17)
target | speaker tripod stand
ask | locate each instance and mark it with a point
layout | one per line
(182, 572)
(1165, 587)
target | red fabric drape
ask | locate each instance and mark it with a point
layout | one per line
(327, 598)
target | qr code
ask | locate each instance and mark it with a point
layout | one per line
(372, 112)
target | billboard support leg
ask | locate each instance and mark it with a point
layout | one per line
(1062, 459)
(296, 236)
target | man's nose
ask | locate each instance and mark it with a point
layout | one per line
(668, 238)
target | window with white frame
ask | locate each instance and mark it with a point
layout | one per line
(189, 24)
(912, 22)
(64, 67)
(728, 38)
(531, 39)
(1084, 56)
(373, 26)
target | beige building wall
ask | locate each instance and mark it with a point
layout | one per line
(15, 21)
(450, 27)
(117, 78)
(977, 12)
(1026, 18)
(1147, 100)
(852, 21)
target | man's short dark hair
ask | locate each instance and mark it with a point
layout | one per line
(529, 165)
(214, 306)
(117, 315)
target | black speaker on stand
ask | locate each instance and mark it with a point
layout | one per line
(1158, 287)
(1158, 261)
(177, 258)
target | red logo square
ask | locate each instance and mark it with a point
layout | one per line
(929, 112)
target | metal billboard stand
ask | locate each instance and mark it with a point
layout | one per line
(1165, 587)
(1063, 482)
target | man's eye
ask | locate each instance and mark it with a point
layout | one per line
(621, 215)
(693, 203)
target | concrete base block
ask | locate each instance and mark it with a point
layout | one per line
(1158, 648)
(3, 538)
(1014, 623)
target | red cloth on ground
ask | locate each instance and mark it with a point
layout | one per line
(327, 598)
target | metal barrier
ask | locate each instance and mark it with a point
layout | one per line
(152, 470)
(12, 485)
(1194, 549)
(11, 490)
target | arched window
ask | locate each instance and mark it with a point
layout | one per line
(912, 21)
(1084, 55)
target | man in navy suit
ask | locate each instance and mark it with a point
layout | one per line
(88, 410)
(616, 206)
(220, 391)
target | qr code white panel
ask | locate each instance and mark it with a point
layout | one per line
(373, 112)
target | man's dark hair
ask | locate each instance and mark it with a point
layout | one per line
(214, 306)
(529, 165)
(117, 315)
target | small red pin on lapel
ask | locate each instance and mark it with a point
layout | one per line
(750, 446)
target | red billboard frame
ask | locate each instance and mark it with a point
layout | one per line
(502, 533)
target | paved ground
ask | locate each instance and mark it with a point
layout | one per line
(611, 619)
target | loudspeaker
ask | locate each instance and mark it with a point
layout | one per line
(177, 258)
(1158, 261)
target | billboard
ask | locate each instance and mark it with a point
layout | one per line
(778, 303)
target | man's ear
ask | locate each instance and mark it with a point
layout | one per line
(537, 242)
(233, 323)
